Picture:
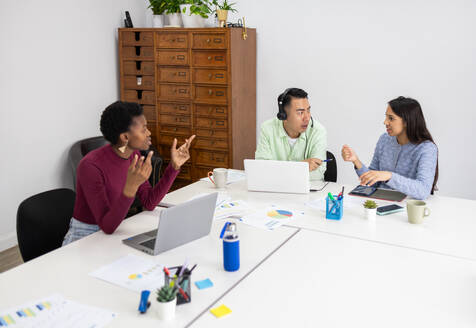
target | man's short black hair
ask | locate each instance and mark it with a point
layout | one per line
(286, 97)
(117, 119)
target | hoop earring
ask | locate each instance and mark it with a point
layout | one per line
(123, 148)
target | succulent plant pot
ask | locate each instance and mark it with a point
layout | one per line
(370, 213)
(166, 310)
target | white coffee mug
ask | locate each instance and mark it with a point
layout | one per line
(219, 177)
(417, 211)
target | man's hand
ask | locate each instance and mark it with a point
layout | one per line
(314, 163)
(180, 155)
(138, 172)
(369, 178)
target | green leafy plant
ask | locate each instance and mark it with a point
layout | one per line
(224, 6)
(158, 6)
(166, 293)
(198, 7)
(370, 204)
(173, 6)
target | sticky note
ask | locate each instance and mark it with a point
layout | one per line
(202, 284)
(220, 311)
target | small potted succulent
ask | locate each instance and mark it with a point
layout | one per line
(167, 301)
(370, 208)
(222, 11)
(158, 8)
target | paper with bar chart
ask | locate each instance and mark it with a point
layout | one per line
(132, 272)
(55, 311)
(271, 217)
(235, 208)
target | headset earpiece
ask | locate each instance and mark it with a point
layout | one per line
(281, 112)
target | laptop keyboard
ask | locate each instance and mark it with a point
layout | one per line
(152, 233)
(149, 243)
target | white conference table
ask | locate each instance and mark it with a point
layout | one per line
(322, 280)
(449, 230)
(65, 271)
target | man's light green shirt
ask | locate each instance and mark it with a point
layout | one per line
(273, 144)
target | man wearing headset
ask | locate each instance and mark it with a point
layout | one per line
(294, 135)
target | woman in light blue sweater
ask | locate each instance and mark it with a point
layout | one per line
(406, 157)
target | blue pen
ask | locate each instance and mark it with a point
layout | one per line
(327, 160)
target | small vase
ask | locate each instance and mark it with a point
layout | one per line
(157, 20)
(370, 213)
(175, 20)
(166, 311)
(190, 20)
(222, 17)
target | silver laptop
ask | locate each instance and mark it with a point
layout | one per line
(277, 176)
(178, 225)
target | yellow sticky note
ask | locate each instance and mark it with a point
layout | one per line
(220, 311)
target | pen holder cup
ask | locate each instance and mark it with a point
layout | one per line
(185, 282)
(334, 208)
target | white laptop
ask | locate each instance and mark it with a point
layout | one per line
(178, 225)
(277, 176)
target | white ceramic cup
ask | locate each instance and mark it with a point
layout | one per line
(220, 176)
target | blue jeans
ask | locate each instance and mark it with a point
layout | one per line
(78, 230)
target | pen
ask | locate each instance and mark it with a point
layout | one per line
(327, 160)
(192, 268)
(182, 269)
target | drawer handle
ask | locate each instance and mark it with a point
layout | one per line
(219, 58)
(210, 92)
(180, 57)
(220, 123)
(184, 91)
(183, 107)
(180, 39)
(220, 110)
(208, 40)
(219, 93)
(217, 40)
(182, 73)
(219, 159)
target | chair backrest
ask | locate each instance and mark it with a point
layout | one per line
(80, 148)
(331, 171)
(42, 222)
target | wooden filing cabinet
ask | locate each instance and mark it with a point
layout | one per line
(194, 81)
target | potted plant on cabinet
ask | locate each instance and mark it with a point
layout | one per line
(222, 11)
(172, 9)
(166, 302)
(158, 8)
(370, 208)
(195, 12)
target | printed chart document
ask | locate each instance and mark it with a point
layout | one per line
(55, 312)
(271, 217)
(132, 272)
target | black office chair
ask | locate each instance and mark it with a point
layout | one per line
(331, 171)
(43, 221)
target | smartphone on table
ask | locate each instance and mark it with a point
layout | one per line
(389, 209)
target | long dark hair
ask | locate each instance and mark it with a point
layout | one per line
(410, 111)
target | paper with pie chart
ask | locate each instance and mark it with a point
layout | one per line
(132, 272)
(271, 217)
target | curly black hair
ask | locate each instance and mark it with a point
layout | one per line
(117, 118)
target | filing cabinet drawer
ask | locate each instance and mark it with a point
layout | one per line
(211, 143)
(209, 41)
(174, 108)
(211, 93)
(176, 130)
(209, 58)
(211, 133)
(137, 38)
(215, 76)
(167, 139)
(152, 126)
(150, 113)
(164, 151)
(139, 96)
(172, 57)
(139, 82)
(212, 158)
(138, 52)
(174, 91)
(211, 111)
(185, 172)
(138, 67)
(203, 122)
(168, 74)
(174, 119)
(172, 40)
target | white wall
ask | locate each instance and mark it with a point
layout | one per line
(58, 71)
(354, 56)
